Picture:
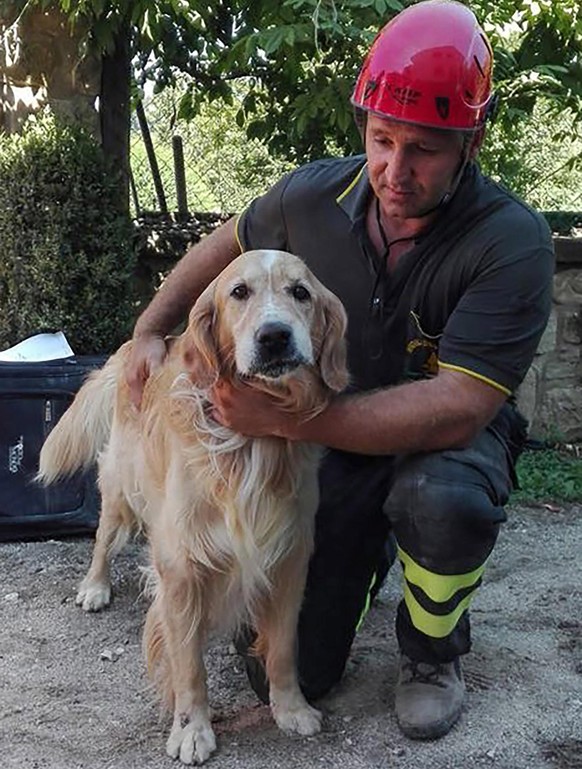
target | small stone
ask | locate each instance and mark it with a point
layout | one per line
(11, 597)
(119, 650)
(108, 655)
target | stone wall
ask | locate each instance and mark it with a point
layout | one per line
(551, 395)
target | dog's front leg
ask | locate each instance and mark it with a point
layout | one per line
(191, 737)
(278, 631)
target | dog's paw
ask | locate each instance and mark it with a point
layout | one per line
(191, 743)
(300, 718)
(93, 596)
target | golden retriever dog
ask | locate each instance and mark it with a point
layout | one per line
(229, 518)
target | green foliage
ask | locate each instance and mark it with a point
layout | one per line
(224, 170)
(539, 157)
(66, 259)
(548, 475)
(564, 222)
(303, 57)
(538, 54)
(300, 58)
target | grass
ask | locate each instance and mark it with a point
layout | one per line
(548, 475)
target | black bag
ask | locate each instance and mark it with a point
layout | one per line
(33, 397)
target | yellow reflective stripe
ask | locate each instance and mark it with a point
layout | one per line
(237, 236)
(438, 587)
(433, 625)
(351, 185)
(368, 603)
(475, 375)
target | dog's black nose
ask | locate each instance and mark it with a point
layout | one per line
(273, 339)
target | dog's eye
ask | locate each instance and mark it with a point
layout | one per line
(300, 293)
(240, 292)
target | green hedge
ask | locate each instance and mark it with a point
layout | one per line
(66, 259)
(564, 222)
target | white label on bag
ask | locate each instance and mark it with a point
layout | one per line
(16, 455)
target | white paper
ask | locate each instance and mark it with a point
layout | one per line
(38, 348)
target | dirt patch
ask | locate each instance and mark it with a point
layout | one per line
(75, 695)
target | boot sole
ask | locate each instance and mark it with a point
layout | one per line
(432, 732)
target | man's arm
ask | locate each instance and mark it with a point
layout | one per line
(197, 268)
(428, 415)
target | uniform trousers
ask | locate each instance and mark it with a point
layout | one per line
(439, 513)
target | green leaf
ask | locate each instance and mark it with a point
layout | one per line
(256, 129)
(186, 107)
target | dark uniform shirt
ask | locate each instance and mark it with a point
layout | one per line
(473, 294)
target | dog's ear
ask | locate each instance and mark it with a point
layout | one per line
(199, 345)
(332, 358)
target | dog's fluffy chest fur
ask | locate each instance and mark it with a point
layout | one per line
(238, 505)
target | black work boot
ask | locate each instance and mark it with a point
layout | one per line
(254, 665)
(429, 698)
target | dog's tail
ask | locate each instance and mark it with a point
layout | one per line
(84, 428)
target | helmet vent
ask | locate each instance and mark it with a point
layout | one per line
(479, 67)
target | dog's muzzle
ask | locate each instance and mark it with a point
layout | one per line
(275, 350)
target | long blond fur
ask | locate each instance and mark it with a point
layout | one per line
(83, 430)
(230, 518)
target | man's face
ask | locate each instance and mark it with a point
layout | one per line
(410, 167)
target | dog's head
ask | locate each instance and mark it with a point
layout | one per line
(265, 317)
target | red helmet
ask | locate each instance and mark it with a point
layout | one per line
(431, 65)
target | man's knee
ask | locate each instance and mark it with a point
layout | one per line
(443, 511)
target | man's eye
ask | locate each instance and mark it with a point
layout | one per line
(240, 292)
(300, 293)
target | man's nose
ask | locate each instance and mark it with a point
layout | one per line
(398, 168)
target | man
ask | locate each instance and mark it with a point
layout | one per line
(446, 279)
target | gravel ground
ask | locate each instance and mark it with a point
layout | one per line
(75, 695)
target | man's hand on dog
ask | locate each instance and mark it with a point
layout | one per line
(251, 413)
(147, 354)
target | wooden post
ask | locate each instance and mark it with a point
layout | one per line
(147, 140)
(180, 177)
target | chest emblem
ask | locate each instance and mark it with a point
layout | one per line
(421, 350)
